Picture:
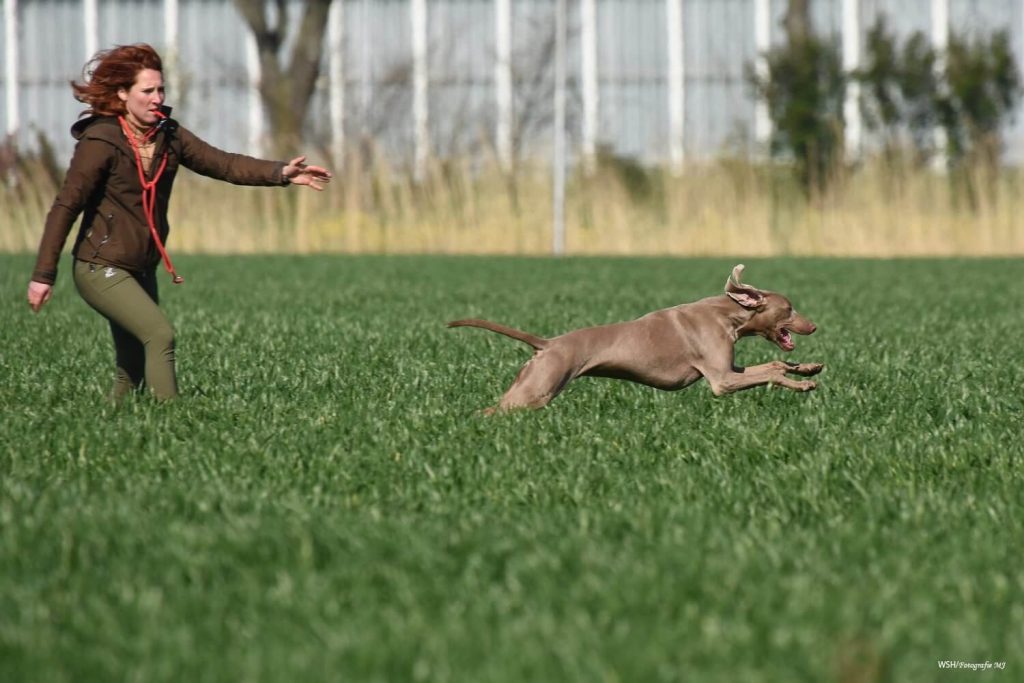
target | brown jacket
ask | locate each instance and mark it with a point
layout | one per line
(102, 183)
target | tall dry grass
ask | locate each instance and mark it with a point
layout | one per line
(726, 207)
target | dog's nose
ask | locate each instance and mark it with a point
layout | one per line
(811, 328)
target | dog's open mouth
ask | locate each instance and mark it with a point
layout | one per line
(785, 340)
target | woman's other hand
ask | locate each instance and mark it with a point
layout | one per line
(38, 294)
(298, 173)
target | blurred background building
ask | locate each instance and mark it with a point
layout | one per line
(661, 81)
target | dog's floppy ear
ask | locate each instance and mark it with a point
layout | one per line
(745, 295)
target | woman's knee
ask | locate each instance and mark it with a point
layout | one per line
(160, 337)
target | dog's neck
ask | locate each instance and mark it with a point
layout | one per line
(737, 318)
(746, 328)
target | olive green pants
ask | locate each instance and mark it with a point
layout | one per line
(143, 337)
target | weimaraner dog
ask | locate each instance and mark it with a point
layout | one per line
(668, 349)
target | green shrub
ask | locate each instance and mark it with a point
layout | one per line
(804, 90)
(982, 88)
(899, 91)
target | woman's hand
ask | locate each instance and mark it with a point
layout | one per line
(38, 294)
(298, 173)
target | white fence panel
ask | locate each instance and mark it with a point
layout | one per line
(623, 105)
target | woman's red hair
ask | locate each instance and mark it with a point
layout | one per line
(110, 70)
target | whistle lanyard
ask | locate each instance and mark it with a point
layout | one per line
(149, 193)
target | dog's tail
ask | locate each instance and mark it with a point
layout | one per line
(525, 337)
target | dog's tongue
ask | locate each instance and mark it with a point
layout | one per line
(787, 340)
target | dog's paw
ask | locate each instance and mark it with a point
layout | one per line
(807, 385)
(808, 369)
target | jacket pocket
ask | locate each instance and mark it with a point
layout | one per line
(98, 235)
(121, 241)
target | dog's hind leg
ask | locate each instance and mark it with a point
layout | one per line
(538, 382)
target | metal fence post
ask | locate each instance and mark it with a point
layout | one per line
(940, 41)
(503, 81)
(91, 27)
(676, 84)
(171, 61)
(851, 60)
(762, 44)
(420, 77)
(559, 160)
(336, 79)
(254, 75)
(11, 66)
(588, 79)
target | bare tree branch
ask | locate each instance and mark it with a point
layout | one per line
(286, 89)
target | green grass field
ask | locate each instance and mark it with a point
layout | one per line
(324, 503)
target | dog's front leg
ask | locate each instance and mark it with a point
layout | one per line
(804, 369)
(738, 379)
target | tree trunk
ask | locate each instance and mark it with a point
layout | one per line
(797, 21)
(287, 88)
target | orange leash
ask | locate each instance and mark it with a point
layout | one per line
(149, 193)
